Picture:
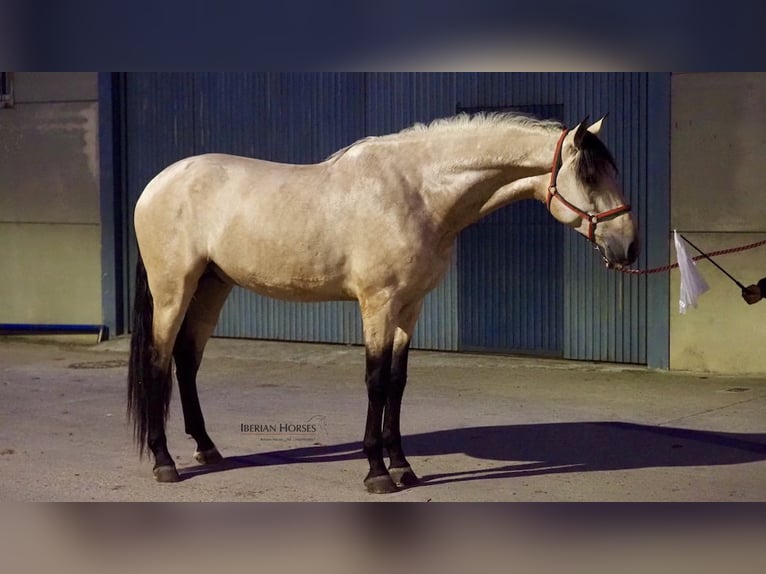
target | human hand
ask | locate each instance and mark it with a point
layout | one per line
(752, 294)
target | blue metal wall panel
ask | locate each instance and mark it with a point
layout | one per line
(510, 282)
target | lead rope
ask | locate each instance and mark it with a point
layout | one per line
(697, 258)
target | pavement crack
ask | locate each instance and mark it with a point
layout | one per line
(712, 410)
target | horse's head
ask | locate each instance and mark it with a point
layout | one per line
(585, 193)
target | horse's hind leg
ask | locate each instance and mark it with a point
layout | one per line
(399, 469)
(161, 301)
(168, 316)
(198, 326)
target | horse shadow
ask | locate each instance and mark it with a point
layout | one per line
(536, 449)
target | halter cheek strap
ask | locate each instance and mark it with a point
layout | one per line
(593, 219)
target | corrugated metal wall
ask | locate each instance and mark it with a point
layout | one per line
(589, 313)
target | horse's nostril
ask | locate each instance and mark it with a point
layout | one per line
(632, 252)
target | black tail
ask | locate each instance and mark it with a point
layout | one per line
(148, 387)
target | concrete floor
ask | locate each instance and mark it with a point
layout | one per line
(477, 428)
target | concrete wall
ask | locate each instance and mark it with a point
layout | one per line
(50, 262)
(718, 200)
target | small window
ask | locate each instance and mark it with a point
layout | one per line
(6, 89)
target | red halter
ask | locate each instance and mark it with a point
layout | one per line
(593, 219)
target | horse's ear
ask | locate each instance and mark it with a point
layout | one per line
(596, 128)
(579, 132)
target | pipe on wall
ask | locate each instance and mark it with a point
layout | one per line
(37, 329)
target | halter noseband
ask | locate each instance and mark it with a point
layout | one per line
(593, 219)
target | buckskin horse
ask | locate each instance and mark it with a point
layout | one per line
(376, 222)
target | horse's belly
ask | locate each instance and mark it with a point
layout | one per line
(296, 289)
(284, 278)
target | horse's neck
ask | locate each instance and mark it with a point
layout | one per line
(471, 176)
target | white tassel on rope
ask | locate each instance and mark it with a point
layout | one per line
(692, 283)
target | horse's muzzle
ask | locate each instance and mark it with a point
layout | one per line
(618, 255)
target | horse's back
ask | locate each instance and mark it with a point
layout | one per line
(215, 175)
(213, 187)
(263, 224)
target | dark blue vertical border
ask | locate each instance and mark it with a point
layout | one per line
(658, 219)
(111, 196)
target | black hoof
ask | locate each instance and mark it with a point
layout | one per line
(403, 476)
(209, 456)
(166, 474)
(380, 484)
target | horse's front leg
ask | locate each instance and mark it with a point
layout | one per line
(399, 469)
(377, 376)
(378, 335)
